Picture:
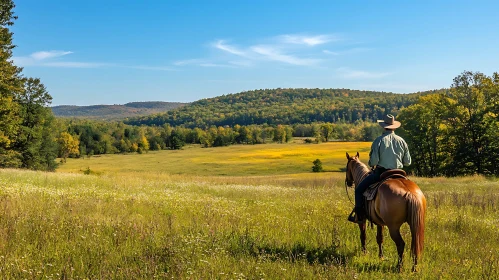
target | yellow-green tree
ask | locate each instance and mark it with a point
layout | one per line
(143, 144)
(68, 146)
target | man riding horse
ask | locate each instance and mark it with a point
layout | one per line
(388, 151)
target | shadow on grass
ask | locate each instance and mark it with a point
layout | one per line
(246, 245)
(384, 267)
(298, 252)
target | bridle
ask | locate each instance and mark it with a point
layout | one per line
(347, 183)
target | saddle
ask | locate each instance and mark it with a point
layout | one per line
(371, 192)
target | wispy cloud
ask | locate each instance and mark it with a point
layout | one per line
(46, 59)
(274, 54)
(308, 40)
(345, 52)
(293, 49)
(348, 73)
(397, 87)
(74, 64)
(53, 59)
(213, 63)
(189, 62)
(38, 58)
(243, 63)
(145, 67)
(330, 52)
(217, 65)
(221, 45)
(48, 54)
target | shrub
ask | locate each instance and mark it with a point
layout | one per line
(317, 166)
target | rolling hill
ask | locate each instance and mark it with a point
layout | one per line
(114, 112)
(283, 106)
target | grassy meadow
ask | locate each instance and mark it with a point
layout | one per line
(235, 160)
(172, 215)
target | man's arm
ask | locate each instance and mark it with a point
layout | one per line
(406, 160)
(374, 153)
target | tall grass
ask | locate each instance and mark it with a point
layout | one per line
(154, 225)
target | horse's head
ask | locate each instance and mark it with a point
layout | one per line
(349, 176)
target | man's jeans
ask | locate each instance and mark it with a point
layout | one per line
(362, 187)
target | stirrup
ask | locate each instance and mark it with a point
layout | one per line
(354, 218)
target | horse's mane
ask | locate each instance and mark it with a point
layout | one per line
(359, 170)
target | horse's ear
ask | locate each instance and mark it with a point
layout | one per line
(358, 155)
(348, 156)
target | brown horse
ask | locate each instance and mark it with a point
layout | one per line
(398, 201)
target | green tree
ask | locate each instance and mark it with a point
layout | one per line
(280, 134)
(175, 142)
(455, 133)
(288, 133)
(49, 147)
(317, 167)
(316, 133)
(474, 123)
(426, 131)
(256, 135)
(370, 131)
(244, 135)
(36, 123)
(10, 86)
(327, 131)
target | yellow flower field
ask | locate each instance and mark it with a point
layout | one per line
(236, 160)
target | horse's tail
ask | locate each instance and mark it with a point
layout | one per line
(416, 210)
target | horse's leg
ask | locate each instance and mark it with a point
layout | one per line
(397, 238)
(379, 239)
(362, 228)
(415, 264)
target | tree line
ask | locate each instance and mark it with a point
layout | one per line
(79, 138)
(456, 133)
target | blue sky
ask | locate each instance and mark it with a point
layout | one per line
(113, 52)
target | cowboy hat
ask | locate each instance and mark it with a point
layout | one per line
(389, 122)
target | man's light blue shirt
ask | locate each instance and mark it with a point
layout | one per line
(389, 151)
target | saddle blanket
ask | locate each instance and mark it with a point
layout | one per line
(371, 192)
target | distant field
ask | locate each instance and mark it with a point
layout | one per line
(236, 160)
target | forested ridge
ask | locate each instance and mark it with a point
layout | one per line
(114, 112)
(284, 106)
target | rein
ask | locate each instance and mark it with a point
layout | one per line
(359, 173)
(348, 195)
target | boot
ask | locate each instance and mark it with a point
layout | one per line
(357, 216)
(352, 217)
